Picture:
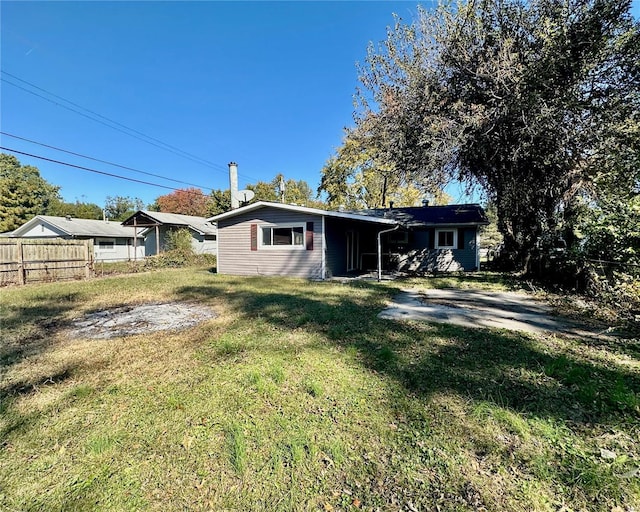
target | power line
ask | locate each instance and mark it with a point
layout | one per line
(101, 122)
(124, 129)
(143, 137)
(160, 144)
(88, 169)
(103, 161)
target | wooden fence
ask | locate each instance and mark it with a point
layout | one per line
(27, 261)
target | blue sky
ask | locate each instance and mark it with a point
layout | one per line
(266, 84)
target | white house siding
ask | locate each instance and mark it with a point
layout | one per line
(43, 231)
(236, 257)
(204, 244)
(122, 249)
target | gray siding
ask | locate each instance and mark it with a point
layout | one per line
(236, 257)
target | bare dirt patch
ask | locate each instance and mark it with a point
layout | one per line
(131, 320)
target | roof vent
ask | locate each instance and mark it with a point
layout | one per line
(390, 205)
(68, 217)
(425, 203)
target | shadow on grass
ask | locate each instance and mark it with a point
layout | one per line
(510, 369)
(27, 330)
(470, 279)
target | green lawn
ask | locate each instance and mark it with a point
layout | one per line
(297, 397)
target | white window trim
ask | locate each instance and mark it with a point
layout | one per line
(102, 249)
(437, 237)
(302, 247)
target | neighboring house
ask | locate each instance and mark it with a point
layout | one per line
(279, 239)
(154, 226)
(111, 240)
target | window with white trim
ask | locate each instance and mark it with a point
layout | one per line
(446, 238)
(282, 236)
(106, 244)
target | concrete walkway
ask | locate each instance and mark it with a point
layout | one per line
(476, 308)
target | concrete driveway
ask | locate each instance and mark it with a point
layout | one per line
(476, 308)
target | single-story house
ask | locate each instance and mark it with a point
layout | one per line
(266, 238)
(111, 240)
(154, 226)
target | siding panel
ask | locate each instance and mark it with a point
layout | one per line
(236, 257)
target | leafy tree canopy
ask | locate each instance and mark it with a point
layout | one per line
(79, 210)
(219, 202)
(536, 101)
(23, 193)
(187, 201)
(292, 191)
(356, 178)
(120, 207)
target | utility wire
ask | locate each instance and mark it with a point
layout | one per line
(88, 169)
(140, 136)
(101, 122)
(103, 161)
(162, 145)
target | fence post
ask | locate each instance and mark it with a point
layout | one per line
(89, 258)
(22, 274)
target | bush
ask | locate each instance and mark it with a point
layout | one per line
(179, 240)
(177, 258)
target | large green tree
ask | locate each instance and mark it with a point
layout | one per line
(78, 209)
(118, 208)
(23, 193)
(219, 201)
(529, 99)
(293, 191)
(354, 177)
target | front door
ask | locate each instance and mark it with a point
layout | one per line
(352, 250)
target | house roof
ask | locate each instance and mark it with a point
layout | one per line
(453, 214)
(302, 209)
(77, 227)
(456, 214)
(145, 218)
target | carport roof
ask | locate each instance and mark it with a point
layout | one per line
(145, 218)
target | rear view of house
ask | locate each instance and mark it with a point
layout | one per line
(111, 240)
(155, 226)
(279, 239)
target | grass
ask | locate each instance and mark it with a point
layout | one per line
(297, 397)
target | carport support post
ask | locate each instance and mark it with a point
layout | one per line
(135, 240)
(380, 249)
(157, 239)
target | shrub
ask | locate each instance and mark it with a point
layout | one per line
(179, 240)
